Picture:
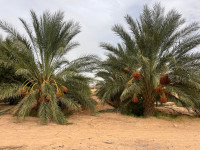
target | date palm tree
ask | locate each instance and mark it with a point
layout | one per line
(160, 57)
(113, 74)
(52, 82)
(116, 71)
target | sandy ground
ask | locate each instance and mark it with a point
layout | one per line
(103, 131)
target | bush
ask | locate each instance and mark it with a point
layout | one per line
(130, 108)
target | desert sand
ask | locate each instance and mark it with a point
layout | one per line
(103, 131)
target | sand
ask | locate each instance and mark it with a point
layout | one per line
(104, 131)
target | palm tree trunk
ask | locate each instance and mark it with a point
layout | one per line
(149, 107)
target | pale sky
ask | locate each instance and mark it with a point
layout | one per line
(96, 17)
